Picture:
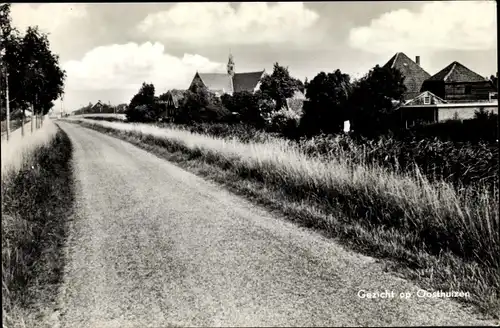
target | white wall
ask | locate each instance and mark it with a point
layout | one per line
(466, 113)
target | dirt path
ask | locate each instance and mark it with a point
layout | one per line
(152, 245)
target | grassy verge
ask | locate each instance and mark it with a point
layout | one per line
(37, 197)
(443, 238)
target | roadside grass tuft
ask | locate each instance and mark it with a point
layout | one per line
(37, 197)
(446, 239)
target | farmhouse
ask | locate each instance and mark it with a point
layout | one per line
(457, 84)
(230, 82)
(172, 102)
(455, 92)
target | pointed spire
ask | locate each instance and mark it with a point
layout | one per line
(230, 64)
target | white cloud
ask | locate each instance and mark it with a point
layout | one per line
(50, 17)
(215, 23)
(446, 25)
(126, 66)
(61, 21)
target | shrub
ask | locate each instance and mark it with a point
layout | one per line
(285, 122)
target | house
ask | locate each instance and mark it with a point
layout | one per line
(414, 74)
(421, 109)
(457, 84)
(172, 101)
(230, 82)
(455, 92)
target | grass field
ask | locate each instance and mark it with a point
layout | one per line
(36, 188)
(446, 239)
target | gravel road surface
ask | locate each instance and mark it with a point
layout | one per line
(152, 245)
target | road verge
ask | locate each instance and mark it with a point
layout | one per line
(37, 197)
(418, 241)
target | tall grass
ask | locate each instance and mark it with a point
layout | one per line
(19, 149)
(408, 217)
(36, 189)
(462, 164)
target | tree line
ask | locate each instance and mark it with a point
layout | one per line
(32, 70)
(331, 98)
(101, 108)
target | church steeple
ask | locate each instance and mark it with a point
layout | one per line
(230, 65)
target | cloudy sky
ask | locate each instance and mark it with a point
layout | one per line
(108, 50)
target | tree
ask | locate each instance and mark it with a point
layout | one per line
(246, 105)
(326, 109)
(10, 46)
(34, 73)
(144, 106)
(494, 80)
(374, 101)
(44, 79)
(191, 106)
(279, 85)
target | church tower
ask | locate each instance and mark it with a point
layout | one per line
(230, 65)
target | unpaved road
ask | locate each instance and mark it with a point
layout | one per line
(152, 245)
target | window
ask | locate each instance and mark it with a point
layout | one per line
(427, 100)
(468, 90)
(493, 96)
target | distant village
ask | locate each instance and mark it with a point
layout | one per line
(455, 92)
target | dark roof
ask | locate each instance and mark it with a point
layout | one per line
(456, 72)
(246, 81)
(217, 81)
(175, 97)
(413, 73)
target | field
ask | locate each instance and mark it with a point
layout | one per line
(447, 237)
(117, 117)
(36, 196)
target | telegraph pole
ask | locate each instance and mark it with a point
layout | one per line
(7, 102)
(5, 70)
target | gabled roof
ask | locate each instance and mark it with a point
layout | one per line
(425, 94)
(246, 81)
(456, 72)
(413, 73)
(217, 81)
(174, 96)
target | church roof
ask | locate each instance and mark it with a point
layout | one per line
(246, 81)
(217, 81)
(222, 82)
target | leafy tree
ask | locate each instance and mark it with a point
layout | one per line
(34, 73)
(144, 106)
(482, 114)
(44, 79)
(327, 106)
(191, 106)
(279, 85)
(494, 80)
(246, 105)
(374, 101)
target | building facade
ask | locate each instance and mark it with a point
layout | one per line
(455, 92)
(229, 82)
